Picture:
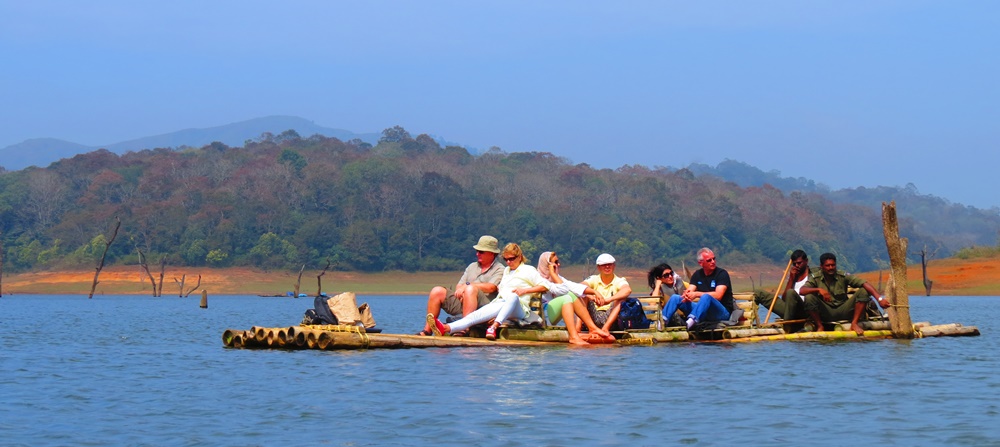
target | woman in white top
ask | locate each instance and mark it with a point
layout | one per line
(513, 299)
(562, 302)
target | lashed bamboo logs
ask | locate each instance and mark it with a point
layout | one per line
(349, 337)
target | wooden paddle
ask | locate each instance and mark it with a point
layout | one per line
(780, 288)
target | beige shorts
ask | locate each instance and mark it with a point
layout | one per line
(453, 305)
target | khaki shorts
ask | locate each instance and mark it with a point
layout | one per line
(453, 305)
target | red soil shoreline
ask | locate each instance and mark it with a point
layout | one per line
(951, 277)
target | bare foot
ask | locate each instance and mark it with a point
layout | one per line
(603, 333)
(857, 329)
(599, 340)
(578, 341)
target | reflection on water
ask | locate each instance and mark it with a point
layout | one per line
(152, 371)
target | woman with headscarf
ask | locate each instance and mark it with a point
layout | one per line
(513, 300)
(561, 301)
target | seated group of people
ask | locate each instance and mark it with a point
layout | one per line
(491, 292)
(821, 294)
(488, 292)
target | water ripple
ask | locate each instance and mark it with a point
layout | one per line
(152, 371)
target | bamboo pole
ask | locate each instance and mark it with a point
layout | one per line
(899, 307)
(784, 277)
(297, 335)
(259, 335)
(825, 335)
(229, 335)
(743, 333)
(952, 330)
(877, 325)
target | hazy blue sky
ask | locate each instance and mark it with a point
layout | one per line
(847, 93)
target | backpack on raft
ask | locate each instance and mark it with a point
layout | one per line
(339, 309)
(631, 315)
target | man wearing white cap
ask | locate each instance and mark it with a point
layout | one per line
(611, 291)
(477, 287)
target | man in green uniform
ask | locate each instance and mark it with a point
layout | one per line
(826, 295)
(788, 305)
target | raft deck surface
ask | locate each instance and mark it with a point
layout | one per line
(344, 337)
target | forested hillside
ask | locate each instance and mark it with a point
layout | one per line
(954, 226)
(406, 203)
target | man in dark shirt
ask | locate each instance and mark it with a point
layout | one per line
(712, 288)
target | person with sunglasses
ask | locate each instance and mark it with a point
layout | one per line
(664, 282)
(562, 302)
(477, 287)
(711, 287)
(513, 301)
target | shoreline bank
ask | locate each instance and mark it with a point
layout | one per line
(976, 277)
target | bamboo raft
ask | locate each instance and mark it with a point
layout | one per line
(354, 337)
(349, 337)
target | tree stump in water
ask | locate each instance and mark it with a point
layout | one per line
(899, 309)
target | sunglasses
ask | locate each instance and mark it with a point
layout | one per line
(708, 260)
(667, 275)
(510, 259)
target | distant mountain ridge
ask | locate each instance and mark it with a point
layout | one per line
(957, 224)
(43, 151)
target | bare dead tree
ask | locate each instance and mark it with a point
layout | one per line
(163, 269)
(319, 279)
(924, 257)
(180, 286)
(100, 265)
(193, 288)
(299, 281)
(145, 267)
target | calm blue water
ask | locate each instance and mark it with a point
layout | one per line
(120, 370)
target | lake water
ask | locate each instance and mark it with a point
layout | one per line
(130, 370)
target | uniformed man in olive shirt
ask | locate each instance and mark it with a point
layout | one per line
(826, 295)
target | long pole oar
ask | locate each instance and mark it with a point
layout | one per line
(779, 289)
